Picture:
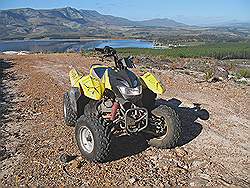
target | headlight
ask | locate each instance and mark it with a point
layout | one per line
(135, 83)
(130, 91)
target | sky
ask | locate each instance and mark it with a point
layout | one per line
(187, 11)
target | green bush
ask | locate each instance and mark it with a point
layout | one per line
(209, 74)
(244, 73)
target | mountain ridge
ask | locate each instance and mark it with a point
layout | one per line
(23, 22)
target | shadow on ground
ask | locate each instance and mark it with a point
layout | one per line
(124, 146)
(5, 105)
(188, 116)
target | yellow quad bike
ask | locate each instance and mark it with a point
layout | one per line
(113, 101)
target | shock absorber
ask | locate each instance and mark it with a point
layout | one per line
(115, 108)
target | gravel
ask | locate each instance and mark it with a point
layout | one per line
(212, 151)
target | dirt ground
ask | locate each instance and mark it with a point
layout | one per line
(213, 150)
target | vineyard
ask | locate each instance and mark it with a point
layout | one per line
(239, 50)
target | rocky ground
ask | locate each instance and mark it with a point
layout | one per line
(213, 150)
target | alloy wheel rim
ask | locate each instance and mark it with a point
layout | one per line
(86, 140)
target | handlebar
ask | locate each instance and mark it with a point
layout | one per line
(119, 63)
(107, 50)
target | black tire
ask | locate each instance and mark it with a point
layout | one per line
(173, 128)
(100, 135)
(70, 116)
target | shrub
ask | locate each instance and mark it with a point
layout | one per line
(244, 73)
(209, 74)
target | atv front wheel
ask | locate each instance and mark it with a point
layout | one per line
(70, 116)
(93, 138)
(165, 119)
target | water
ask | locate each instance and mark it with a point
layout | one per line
(69, 45)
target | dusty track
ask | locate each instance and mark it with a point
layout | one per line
(214, 151)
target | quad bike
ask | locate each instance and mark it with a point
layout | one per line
(113, 101)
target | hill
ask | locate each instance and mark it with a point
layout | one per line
(31, 23)
(165, 22)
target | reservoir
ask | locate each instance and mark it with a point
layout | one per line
(69, 45)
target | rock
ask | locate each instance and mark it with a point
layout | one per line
(220, 74)
(167, 185)
(60, 148)
(197, 163)
(161, 185)
(242, 80)
(132, 180)
(76, 164)
(185, 167)
(224, 182)
(205, 176)
(192, 184)
(65, 158)
(3, 153)
(230, 76)
(198, 182)
(154, 158)
(179, 170)
(180, 152)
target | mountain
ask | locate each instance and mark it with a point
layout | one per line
(233, 23)
(63, 22)
(165, 22)
(100, 19)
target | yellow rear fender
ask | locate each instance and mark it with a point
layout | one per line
(92, 87)
(151, 82)
(75, 77)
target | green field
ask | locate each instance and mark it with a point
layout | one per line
(239, 50)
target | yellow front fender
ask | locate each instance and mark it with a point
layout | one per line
(151, 82)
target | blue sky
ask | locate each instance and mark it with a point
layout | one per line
(187, 11)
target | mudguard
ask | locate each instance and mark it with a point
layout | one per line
(74, 77)
(151, 82)
(92, 87)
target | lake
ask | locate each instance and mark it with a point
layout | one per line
(69, 45)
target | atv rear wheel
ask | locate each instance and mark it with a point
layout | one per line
(93, 138)
(170, 124)
(70, 116)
